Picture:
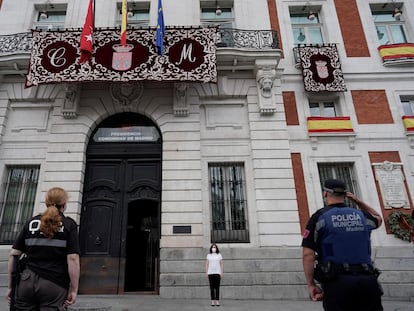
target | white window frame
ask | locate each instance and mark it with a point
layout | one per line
(388, 10)
(138, 8)
(49, 24)
(305, 11)
(323, 111)
(407, 104)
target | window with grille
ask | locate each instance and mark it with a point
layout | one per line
(19, 192)
(228, 203)
(340, 170)
(389, 28)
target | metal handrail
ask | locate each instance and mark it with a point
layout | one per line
(21, 43)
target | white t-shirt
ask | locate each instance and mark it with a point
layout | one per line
(214, 266)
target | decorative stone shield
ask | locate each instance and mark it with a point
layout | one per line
(122, 57)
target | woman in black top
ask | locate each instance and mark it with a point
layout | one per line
(51, 245)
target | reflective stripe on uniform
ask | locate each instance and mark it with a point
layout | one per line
(45, 242)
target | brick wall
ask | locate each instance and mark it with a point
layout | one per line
(351, 28)
(300, 187)
(274, 20)
(291, 112)
(371, 107)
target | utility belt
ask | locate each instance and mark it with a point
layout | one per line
(328, 271)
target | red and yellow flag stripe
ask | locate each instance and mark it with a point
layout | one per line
(408, 123)
(396, 51)
(124, 22)
(333, 124)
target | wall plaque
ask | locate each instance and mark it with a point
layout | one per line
(391, 182)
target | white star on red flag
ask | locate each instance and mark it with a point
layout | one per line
(86, 41)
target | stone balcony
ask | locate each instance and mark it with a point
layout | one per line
(236, 50)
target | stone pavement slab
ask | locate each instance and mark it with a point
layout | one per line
(155, 303)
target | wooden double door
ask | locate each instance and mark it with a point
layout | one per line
(120, 219)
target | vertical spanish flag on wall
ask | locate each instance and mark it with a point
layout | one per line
(124, 22)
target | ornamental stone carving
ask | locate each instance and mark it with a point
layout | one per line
(265, 80)
(181, 106)
(126, 94)
(71, 101)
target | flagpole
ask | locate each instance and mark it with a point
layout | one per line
(94, 2)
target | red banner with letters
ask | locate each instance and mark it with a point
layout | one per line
(190, 55)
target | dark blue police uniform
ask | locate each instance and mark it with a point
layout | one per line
(340, 236)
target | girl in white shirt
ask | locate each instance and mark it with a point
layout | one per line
(214, 271)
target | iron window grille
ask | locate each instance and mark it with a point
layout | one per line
(339, 170)
(228, 203)
(19, 193)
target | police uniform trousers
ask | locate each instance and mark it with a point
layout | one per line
(352, 292)
(38, 294)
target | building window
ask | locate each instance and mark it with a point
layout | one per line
(339, 170)
(50, 17)
(408, 106)
(19, 192)
(228, 203)
(389, 29)
(219, 14)
(138, 14)
(306, 25)
(322, 109)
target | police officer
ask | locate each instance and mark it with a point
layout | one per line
(50, 242)
(338, 238)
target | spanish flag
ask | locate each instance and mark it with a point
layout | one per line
(408, 123)
(124, 22)
(397, 51)
(335, 124)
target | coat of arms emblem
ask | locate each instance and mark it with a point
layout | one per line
(122, 57)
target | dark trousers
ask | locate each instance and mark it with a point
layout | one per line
(37, 294)
(214, 280)
(356, 292)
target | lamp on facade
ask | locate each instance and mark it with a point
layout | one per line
(218, 9)
(130, 13)
(397, 14)
(311, 16)
(43, 14)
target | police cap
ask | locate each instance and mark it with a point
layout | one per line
(334, 186)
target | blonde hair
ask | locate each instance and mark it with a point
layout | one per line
(51, 219)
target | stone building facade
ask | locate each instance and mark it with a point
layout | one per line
(157, 170)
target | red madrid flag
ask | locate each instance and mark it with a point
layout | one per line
(86, 40)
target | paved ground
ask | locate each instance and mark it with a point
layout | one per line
(155, 303)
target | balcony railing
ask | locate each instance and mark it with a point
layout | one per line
(234, 231)
(20, 43)
(226, 37)
(247, 39)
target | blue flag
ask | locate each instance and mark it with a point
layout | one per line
(160, 29)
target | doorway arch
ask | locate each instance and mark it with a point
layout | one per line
(120, 216)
